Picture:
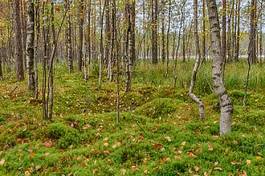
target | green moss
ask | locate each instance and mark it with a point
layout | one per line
(85, 140)
(158, 108)
(66, 135)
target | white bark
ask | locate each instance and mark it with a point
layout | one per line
(225, 102)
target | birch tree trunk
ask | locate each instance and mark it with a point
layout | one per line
(30, 45)
(224, 30)
(226, 106)
(238, 30)
(204, 30)
(37, 23)
(197, 63)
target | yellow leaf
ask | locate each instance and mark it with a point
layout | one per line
(248, 162)
(2, 162)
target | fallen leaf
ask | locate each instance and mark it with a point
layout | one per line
(118, 144)
(244, 173)
(134, 168)
(48, 143)
(27, 173)
(235, 163)
(168, 138)
(106, 144)
(191, 154)
(210, 147)
(183, 143)
(2, 162)
(158, 146)
(196, 168)
(248, 162)
(218, 168)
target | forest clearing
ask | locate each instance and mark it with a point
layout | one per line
(132, 87)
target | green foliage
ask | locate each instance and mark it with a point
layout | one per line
(24, 133)
(158, 108)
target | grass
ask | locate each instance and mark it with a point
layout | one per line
(159, 132)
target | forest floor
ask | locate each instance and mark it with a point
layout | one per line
(159, 132)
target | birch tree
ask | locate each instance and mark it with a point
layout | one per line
(226, 107)
(30, 45)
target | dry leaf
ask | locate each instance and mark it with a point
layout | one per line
(2, 162)
(106, 144)
(218, 168)
(48, 144)
(168, 138)
(196, 168)
(183, 143)
(248, 162)
(210, 147)
(134, 168)
(27, 173)
(191, 154)
(244, 173)
(158, 146)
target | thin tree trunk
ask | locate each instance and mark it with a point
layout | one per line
(69, 49)
(203, 30)
(168, 35)
(230, 26)
(45, 59)
(224, 30)
(107, 58)
(50, 101)
(18, 41)
(88, 42)
(182, 18)
(197, 38)
(102, 11)
(184, 45)
(132, 36)
(225, 101)
(154, 31)
(238, 30)
(197, 63)
(37, 23)
(81, 34)
(163, 54)
(252, 55)
(261, 33)
(30, 45)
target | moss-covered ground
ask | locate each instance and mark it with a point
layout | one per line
(159, 132)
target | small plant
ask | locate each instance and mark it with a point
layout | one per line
(66, 135)
(57, 130)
